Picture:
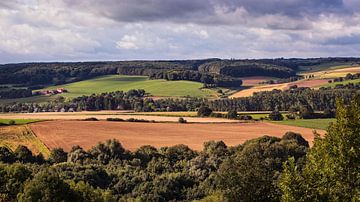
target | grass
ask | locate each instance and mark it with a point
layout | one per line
(19, 121)
(308, 123)
(110, 83)
(13, 136)
(342, 82)
(161, 88)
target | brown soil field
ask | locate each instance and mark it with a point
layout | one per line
(65, 134)
(254, 80)
(311, 83)
(102, 115)
(321, 78)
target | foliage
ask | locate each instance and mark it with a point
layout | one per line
(204, 111)
(276, 116)
(332, 167)
(232, 114)
(58, 155)
(47, 186)
(182, 120)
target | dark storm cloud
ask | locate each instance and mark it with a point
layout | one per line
(206, 11)
(146, 10)
(293, 8)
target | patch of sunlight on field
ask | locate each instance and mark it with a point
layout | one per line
(18, 121)
(308, 123)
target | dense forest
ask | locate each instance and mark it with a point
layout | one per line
(37, 74)
(292, 99)
(262, 169)
(209, 80)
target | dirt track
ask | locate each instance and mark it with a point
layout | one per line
(65, 134)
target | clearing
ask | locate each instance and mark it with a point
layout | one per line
(66, 134)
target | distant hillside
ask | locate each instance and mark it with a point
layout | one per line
(241, 68)
(35, 74)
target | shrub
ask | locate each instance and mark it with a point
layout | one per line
(245, 117)
(232, 114)
(91, 119)
(204, 111)
(115, 119)
(217, 115)
(12, 122)
(182, 120)
(276, 116)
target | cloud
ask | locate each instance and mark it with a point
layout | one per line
(127, 42)
(42, 30)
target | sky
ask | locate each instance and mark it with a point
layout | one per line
(93, 30)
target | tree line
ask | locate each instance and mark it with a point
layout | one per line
(40, 74)
(209, 80)
(323, 99)
(262, 169)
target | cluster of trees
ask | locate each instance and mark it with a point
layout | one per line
(243, 68)
(284, 80)
(318, 100)
(346, 78)
(29, 74)
(323, 99)
(9, 93)
(262, 169)
(209, 80)
(108, 172)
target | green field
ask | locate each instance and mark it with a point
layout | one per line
(342, 82)
(308, 123)
(110, 83)
(161, 88)
(19, 121)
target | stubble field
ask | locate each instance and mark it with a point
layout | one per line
(66, 134)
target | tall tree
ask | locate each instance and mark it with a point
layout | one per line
(332, 170)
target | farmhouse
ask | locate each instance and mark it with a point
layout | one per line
(51, 92)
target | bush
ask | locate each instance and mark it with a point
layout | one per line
(91, 119)
(139, 120)
(58, 155)
(12, 122)
(115, 119)
(217, 115)
(290, 116)
(276, 116)
(232, 114)
(204, 111)
(182, 120)
(245, 117)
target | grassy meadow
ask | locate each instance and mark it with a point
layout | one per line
(19, 121)
(161, 88)
(308, 123)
